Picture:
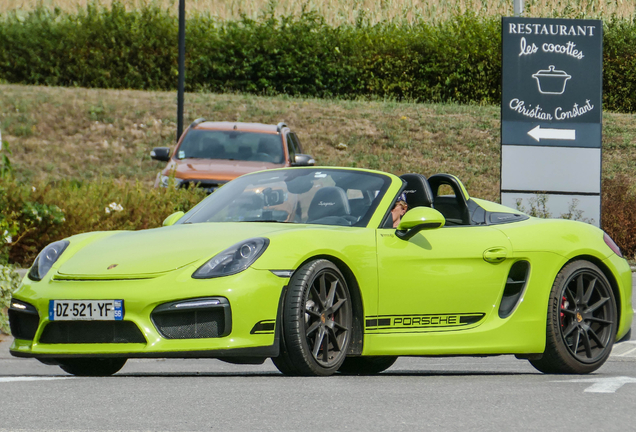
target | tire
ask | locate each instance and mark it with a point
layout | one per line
(283, 362)
(581, 321)
(370, 365)
(92, 366)
(317, 320)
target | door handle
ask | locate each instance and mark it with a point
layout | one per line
(495, 255)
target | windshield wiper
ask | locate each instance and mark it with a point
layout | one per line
(264, 220)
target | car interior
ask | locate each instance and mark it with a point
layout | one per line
(330, 206)
(454, 207)
(420, 191)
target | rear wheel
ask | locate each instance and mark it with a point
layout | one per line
(369, 365)
(317, 319)
(581, 321)
(91, 366)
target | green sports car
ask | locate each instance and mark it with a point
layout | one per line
(304, 266)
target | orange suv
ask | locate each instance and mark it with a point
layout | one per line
(210, 154)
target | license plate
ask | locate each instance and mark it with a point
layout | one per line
(76, 310)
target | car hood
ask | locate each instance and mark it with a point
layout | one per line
(151, 253)
(216, 169)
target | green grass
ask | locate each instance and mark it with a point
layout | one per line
(74, 133)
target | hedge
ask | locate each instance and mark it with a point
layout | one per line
(34, 216)
(456, 60)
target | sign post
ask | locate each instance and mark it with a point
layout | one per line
(551, 115)
(181, 61)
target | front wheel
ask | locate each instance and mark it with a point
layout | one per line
(317, 320)
(91, 366)
(581, 321)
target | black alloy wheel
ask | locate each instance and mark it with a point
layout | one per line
(582, 318)
(587, 316)
(317, 320)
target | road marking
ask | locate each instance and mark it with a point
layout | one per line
(25, 378)
(560, 134)
(604, 385)
(628, 352)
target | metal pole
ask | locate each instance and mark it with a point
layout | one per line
(518, 7)
(181, 85)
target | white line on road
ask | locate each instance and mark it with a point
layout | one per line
(626, 353)
(604, 385)
(25, 378)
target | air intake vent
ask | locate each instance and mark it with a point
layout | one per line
(208, 317)
(23, 320)
(68, 332)
(515, 285)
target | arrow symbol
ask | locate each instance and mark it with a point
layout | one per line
(560, 134)
(604, 385)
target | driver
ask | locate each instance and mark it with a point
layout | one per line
(399, 209)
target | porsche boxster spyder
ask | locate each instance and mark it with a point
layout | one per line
(304, 266)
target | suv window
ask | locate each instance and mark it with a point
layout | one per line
(297, 145)
(232, 145)
(293, 146)
(291, 149)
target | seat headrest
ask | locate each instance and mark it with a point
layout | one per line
(418, 192)
(328, 201)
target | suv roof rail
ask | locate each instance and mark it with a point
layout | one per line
(197, 121)
(280, 126)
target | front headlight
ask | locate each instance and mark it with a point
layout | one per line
(165, 180)
(233, 260)
(46, 259)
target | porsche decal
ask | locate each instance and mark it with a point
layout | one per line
(422, 321)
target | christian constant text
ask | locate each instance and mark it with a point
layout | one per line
(537, 112)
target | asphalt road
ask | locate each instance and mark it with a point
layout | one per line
(462, 393)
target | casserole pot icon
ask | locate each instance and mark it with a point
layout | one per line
(551, 81)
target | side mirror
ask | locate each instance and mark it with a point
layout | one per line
(173, 218)
(418, 219)
(303, 160)
(160, 154)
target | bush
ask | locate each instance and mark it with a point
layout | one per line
(619, 65)
(47, 212)
(456, 60)
(97, 47)
(618, 214)
(9, 281)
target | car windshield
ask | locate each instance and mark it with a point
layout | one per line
(295, 195)
(231, 145)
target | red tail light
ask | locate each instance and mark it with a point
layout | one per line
(613, 246)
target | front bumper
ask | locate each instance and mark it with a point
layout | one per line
(252, 296)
